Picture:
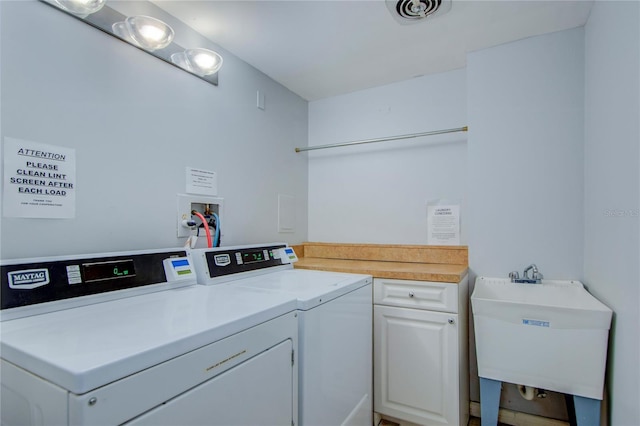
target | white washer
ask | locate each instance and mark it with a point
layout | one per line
(179, 354)
(335, 329)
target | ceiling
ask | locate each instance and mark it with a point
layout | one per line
(324, 48)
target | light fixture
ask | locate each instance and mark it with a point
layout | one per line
(198, 61)
(145, 32)
(81, 8)
(137, 26)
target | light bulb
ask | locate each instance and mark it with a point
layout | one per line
(204, 61)
(149, 32)
(82, 8)
(145, 32)
(198, 61)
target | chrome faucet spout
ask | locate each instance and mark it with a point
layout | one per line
(531, 267)
(536, 276)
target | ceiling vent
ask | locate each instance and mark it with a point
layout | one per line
(412, 11)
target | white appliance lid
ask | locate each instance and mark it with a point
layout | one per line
(311, 288)
(83, 348)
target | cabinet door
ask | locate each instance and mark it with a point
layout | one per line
(416, 365)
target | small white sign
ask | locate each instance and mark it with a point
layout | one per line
(443, 222)
(203, 182)
(39, 180)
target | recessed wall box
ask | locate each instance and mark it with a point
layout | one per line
(187, 203)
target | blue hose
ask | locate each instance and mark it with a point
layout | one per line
(216, 237)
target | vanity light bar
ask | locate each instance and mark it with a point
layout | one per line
(146, 33)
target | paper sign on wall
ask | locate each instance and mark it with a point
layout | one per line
(202, 182)
(443, 223)
(39, 180)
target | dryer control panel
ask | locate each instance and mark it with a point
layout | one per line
(222, 264)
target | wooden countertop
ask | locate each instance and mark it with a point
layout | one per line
(397, 270)
(422, 263)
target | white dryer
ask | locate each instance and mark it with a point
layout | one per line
(159, 350)
(335, 327)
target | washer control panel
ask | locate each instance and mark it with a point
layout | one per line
(27, 282)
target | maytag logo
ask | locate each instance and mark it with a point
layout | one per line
(28, 278)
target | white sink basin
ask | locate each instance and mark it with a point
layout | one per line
(551, 335)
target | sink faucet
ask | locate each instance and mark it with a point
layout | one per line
(535, 278)
(532, 267)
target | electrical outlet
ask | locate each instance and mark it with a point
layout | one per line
(202, 204)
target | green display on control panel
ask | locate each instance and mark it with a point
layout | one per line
(253, 256)
(108, 270)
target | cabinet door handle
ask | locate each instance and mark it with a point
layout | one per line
(451, 321)
(411, 294)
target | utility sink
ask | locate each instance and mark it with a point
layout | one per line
(552, 335)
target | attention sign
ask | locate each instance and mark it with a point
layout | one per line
(39, 180)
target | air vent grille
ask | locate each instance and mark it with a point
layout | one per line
(408, 10)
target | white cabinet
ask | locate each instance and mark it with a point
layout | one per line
(420, 351)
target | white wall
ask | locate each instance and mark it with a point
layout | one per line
(377, 193)
(612, 186)
(136, 123)
(526, 156)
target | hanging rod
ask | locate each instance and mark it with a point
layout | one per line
(390, 138)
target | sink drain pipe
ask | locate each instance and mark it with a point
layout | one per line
(527, 392)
